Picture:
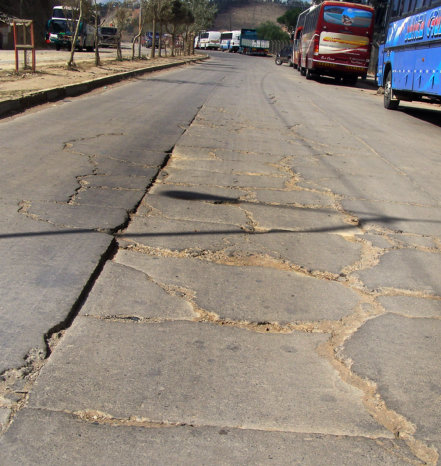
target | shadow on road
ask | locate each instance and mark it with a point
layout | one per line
(365, 218)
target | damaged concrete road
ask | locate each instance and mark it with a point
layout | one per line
(275, 298)
(71, 175)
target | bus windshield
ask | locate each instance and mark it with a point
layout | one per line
(61, 12)
(58, 25)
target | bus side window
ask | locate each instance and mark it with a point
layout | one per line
(418, 4)
(395, 8)
(404, 7)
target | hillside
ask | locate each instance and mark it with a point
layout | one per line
(248, 16)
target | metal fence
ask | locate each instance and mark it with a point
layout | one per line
(277, 45)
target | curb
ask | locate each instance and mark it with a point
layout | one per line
(12, 106)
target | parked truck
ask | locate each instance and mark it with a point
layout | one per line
(250, 44)
(108, 36)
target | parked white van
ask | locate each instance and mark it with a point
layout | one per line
(230, 40)
(210, 40)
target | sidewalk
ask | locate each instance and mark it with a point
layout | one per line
(52, 81)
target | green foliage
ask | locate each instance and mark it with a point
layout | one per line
(204, 12)
(289, 19)
(178, 13)
(271, 31)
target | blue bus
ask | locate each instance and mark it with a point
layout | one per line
(409, 58)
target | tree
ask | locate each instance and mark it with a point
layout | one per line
(153, 10)
(289, 18)
(271, 31)
(177, 17)
(204, 12)
(71, 63)
(122, 20)
(37, 10)
(141, 18)
(97, 49)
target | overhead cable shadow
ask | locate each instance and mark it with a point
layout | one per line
(364, 218)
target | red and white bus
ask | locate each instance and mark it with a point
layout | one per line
(336, 40)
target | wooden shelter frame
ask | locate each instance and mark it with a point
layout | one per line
(26, 24)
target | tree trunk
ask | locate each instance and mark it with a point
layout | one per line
(192, 38)
(70, 63)
(118, 49)
(160, 39)
(173, 44)
(152, 51)
(140, 31)
(97, 52)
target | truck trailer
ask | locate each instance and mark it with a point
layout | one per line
(250, 44)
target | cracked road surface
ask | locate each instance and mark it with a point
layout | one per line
(71, 174)
(275, 297)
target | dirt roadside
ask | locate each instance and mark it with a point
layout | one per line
(55, 74)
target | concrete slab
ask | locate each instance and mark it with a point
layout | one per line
(19, 172)
(398, 217)
(223, 166)
(229, 114)
(197, 211)
(123, 291)
(376, 187)
(380, 240)
(204, 178)
(222, 153)
(79, 216)
(105, 197)
(298, 197)
(298, 218)
(51, 438)
(187, 372)
(161, 232)
(359, 162)
(402, 356)
(115, 146)
(416, 241)
(318, 251)
(44, 270)
(138, 181)
(264, 141)
(212, 194)
(396, 270)
(409, 306)
(253, 294)
(110, 166)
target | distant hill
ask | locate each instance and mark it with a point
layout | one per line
(248, 16)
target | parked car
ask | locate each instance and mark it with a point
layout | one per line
(284, 56)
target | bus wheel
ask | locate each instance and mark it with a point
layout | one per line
(309, 74)
(389, 102)
(303, 71)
